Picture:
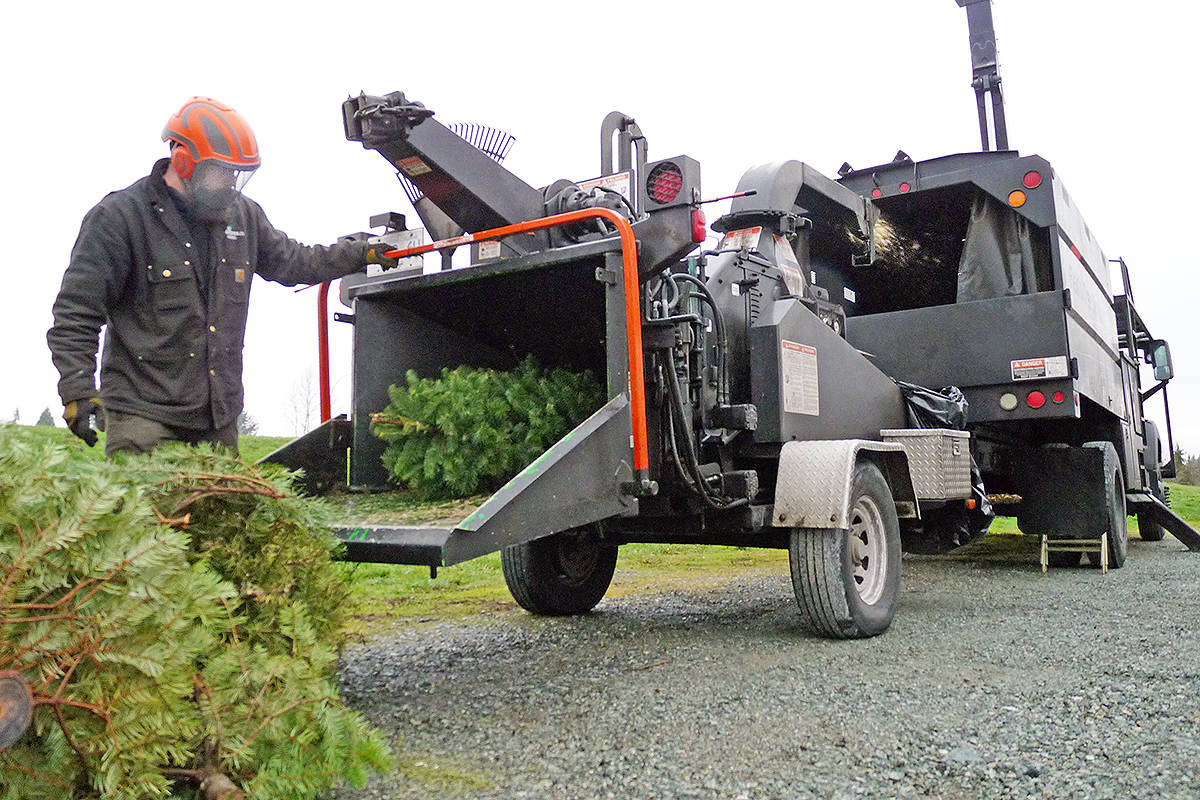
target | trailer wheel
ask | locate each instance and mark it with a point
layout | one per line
(1114, 499)
(567, 573)
(847, 580)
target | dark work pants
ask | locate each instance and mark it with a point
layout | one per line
(126, 433)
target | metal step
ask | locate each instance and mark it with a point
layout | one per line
(394, 545)
(1145, 503)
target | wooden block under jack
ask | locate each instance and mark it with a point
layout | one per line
(1075, 546)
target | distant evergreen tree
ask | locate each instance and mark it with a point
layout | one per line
(246, 424)
(46, 418)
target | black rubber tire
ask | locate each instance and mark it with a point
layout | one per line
(1148, 529)
(1061, 558)
(567, 573)
(823, 568)
(1114, 500)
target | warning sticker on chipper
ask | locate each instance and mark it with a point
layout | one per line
(1028, 369)
(746, 238)
(800, 385)
(618, 183)
(413, 166)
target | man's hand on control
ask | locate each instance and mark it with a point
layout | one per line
(375, 255)
(78, 415)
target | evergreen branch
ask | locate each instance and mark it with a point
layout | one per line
(62, 723)
(63, 701)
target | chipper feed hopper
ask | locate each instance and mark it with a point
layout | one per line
(737, 412)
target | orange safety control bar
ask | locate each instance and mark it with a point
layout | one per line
(633, 318)
(633, 310)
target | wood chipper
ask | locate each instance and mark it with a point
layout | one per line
(737, 413)
(754, 393)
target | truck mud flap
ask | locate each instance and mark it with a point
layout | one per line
(1158, 511)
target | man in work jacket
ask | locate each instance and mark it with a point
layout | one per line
(167, 264)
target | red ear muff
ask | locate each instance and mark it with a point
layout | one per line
(182, 162)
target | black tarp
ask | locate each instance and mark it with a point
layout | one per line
(943, 529)
(997, 257)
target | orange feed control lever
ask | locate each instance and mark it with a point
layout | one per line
(633, 313)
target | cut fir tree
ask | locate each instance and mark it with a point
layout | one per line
(470, 430)
(174, 619)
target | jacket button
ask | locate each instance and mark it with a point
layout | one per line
(187, 244)
(212, 372)
(212, 329)
(166, 273)
(187, 263)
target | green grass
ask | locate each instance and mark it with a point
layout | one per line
(390, 594)
(252, 448)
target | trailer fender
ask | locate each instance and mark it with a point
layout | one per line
(813, 486)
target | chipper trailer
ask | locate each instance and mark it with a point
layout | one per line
(736, 412)
(750, 401)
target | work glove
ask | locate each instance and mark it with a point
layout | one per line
(78, 415)
(375, 255)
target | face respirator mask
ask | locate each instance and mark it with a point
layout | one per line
(212, 189)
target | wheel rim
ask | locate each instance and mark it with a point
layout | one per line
(578, 555)
(868, 550)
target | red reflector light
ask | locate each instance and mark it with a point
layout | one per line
(699, 226)
(1033, 179)
(971, 504)
(1058, 397)
(877, 193)
(1035, 399)
(665, 182)
(904, 187)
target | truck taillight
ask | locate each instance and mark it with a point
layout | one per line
(1058, 397)
(904, 187)
(699, 226)
(1035, 399)
(1033, 179)
(877, 193)
(1016, 198)
(665, 182)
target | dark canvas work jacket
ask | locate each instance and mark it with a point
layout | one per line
(172, 346)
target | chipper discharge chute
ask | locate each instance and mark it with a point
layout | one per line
(736, 411)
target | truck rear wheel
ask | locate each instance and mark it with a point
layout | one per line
(1148, 529)
(567, 573)
(1114, 501)
(847, 580)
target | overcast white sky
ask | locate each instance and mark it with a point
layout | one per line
(1105, 90)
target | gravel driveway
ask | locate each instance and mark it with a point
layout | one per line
(994, 681)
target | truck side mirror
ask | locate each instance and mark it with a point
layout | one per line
(1160, 356)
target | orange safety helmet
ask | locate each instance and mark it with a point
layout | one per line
(208, 129)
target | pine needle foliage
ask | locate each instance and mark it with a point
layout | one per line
(470, 430)
(177, 617)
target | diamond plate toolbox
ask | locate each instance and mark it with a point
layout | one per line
(939, 459)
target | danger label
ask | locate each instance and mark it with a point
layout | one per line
(413, 166)
(615, 183)
(744, 239)
(489, 249)
(801, 394)
(789, 266)
(1028, 369)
